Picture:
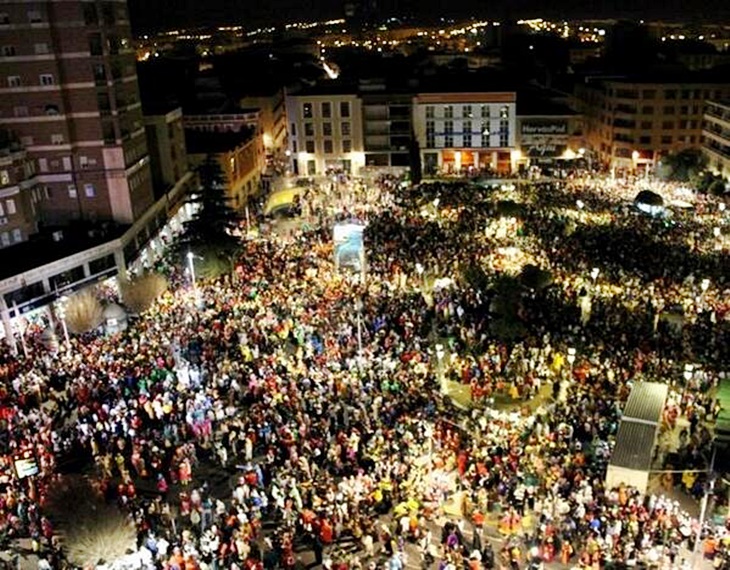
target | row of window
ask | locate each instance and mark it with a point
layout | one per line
(5, 237)
(648, 125)
(325, 109)
(649, 109)
(34, 17)
(45, 79)
(467, 111)
(469, 136)
(327, 129)
(8, 208)
(89, 191)
(328, 146)
(684, 94)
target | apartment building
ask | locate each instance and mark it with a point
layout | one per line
(166, 139)
(272, 118)
(68, 89)
(388, 127)
(19, 191)
(716, 137)
(325, 132)
(463, 131)
(631, 123)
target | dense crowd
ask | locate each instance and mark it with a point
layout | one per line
(348, 449)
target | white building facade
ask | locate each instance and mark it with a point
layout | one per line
(325, 133)
(716, 137)
(463, 132)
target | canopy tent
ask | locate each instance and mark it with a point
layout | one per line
(281, 200)
(636, 439)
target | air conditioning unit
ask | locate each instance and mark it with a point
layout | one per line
(57, 236)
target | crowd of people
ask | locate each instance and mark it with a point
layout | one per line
(319, 395)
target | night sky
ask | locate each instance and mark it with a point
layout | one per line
(152, 15)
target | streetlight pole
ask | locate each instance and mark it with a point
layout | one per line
(191, 267)
(440, 353)
(62, 315)
(358, 307)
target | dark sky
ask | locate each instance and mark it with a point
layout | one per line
(151, 15)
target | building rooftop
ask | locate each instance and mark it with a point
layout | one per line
(205, 142)
(529, 105)
(41, 249)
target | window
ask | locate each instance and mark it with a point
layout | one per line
(46, 79)
(294, 146)
(327, 129)
(17, 235)
(448, 140)
(311, 168)
(466, 133)
(89, 190)
(66, 161)
(646, 124)
(40, 48)
(5, 239)
(4, 178)
(308, 129)
(21, 111)
(4, 18)
(26, 141)
(669, 110)
(309, 146)
(503, 133)
(2, 210)
(429, 111)
(448, 127)
(328, 149)
(14, 81)
(8, 51)
(430, 135)
(345, 128)
(649, 94)
(347, 165)
(466, 112)
(293, 129)
(10, 206)
(647, 110)
(667, 125)
(34, 17)
(485, 111)
(344, 108)
(686, 94)
(72, 191)
(327, 110)
(346, 146)
(90, 14)
(95, 45)
(485, 134)
(666, 139)
(504, 112)
(43, 164)
(307, 112)
(51, 110)
(57, 139)
(448, 111)
(670, 93)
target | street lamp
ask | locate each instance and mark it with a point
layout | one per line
(705, 285)
(191, 267)
(595, 272)
(62, 315)
(440, 353)
(358, 308)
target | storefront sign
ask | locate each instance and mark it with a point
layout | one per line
(543, 150)
(544, 128)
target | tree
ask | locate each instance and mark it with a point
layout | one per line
(209, 234)
(84, 313)
(683, 166)
(89, 529)
(139, 293)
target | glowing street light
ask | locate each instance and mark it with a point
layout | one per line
(716, 231)
(571, 356)
(595, 272)
(687, 372)
(705, 285)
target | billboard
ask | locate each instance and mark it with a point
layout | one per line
(348, 245)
